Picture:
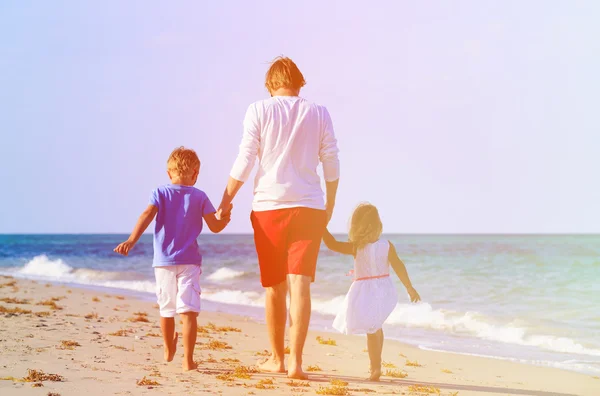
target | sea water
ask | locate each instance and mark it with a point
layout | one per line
(527, 298)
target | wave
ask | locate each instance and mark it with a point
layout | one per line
(472, 324)
(224, 274)
(582, 366)
(43, 268)
(421, 315)
(237, 297)
(477, 325)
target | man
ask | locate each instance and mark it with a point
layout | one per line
(290, 136)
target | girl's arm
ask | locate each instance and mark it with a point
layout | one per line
(143, 222)
(337, 246)
(400, 270)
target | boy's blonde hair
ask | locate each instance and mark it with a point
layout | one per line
(183, 161)
(365, 226)
(283, 73)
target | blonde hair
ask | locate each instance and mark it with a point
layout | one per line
(283, 73)
(365, 225)
(183, 162)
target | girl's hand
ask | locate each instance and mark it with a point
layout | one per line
(414, 296)
(124, 248)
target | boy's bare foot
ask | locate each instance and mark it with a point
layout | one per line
(269, 365)
(188, 366)
(171, 349)
(295, 372)
(375, 374)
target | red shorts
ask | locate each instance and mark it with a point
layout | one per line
(287, 242)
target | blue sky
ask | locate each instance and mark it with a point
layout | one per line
(457, 117)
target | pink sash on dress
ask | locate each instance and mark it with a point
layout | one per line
(372, 277)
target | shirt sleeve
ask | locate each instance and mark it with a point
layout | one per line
(248, 147)
(207, 206)
(154, 199)
(328, 151)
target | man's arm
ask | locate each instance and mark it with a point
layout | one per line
(331, 192)
(143, 222)
(245, 160)
(232, 188)
(328, 155)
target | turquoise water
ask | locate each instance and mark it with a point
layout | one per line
(530, 298)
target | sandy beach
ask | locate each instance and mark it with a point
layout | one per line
(61, 340)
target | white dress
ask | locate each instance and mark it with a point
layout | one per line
(372, 296)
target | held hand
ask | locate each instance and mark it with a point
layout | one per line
(224, 212)
(414, 296)
(124, 248)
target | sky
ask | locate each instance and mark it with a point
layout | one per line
(451, 117)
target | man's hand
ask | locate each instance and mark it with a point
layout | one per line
(414, 296)
(124, 248)
(224, 211)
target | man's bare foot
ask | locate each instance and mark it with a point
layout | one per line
(295, 372)
(188, 366)
(375, 374)
(171, 349)
(270, 365)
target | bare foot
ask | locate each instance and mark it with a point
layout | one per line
(171, 349)
(187, 366)
(375, 374)
(295, 372)
(269, 365)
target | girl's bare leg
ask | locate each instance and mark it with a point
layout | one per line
(375, 347)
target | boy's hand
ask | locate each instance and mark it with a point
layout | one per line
(124, 248)
(224, 213)
(414, 296)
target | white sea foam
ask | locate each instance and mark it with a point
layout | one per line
(328, 307)
(421, 315)
(474, 324)
(236, 297)
(224, 274)
(43, 268)
(590, 367)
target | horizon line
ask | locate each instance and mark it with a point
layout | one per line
(334, 233)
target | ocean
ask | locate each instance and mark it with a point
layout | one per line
(528, 298)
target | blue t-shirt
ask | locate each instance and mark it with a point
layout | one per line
(178, 224)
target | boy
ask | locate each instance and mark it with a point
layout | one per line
(179, 209)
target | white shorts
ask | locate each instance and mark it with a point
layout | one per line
(178, 289)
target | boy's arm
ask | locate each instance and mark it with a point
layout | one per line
(400, 270)
(143, 222)
(337, 246)
(217, 225)
(216, 220)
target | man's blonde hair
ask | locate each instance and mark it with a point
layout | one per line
(183, 161)
(283, 73)
(365, 226)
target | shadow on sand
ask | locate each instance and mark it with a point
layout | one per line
(325, 378)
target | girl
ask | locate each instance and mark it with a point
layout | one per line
(372, 296)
